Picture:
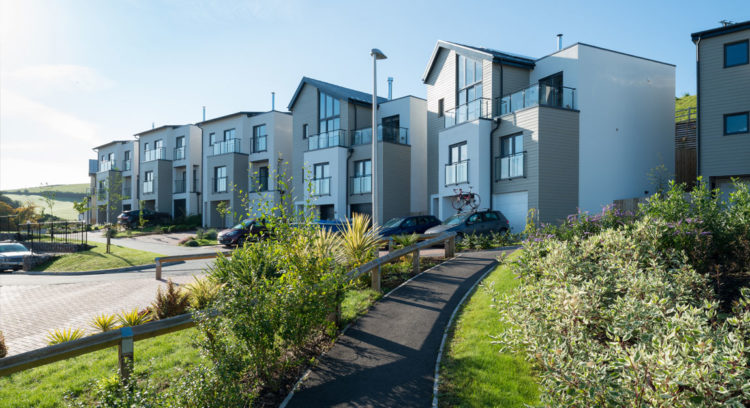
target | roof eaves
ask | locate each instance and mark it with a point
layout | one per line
(745, 25)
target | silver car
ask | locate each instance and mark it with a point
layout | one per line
(11, 256)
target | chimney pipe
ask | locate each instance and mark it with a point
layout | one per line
(390, 88)
(559, 42)
(273, 101)
(153, 125)
(204, 113)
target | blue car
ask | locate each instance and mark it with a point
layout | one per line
(415, 224)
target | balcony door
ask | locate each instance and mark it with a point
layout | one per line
(550, 90)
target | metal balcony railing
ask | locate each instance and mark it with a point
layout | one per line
(220, 184)
(155, 154)
(321, 186)
(510, 166)
(478, 108)
(457, 173)
(390, 134)
(260, 143)
(537, 95)
(227, 146)
(148, 187)
(328, 139)
(179, 186)
(362, 184)
(179, 153)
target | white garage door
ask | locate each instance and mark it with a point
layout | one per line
(514, 206)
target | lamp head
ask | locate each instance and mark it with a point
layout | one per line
(377, 54)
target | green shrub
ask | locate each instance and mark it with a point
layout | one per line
(61, 336)
(210, 234)
(193, 221)
(192, 243)
(199, 233)
(170, 302)
(3, 347)
(134, 317)
(359, 242)
(202, 291)
(171, 228)
(104, 322)
(164, 229)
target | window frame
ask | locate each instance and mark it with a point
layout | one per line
(257, 135)
(233, 134)
(747, 53)
(462, 146)
(323, 115)
(325, 169)
(362, 165)
(305, 131)
(466, 86)
(747, 123)
(212, 138)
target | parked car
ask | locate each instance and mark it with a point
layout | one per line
(238, 234)
(416, 224)
(477, 222)
(11, 255)
(130, 219)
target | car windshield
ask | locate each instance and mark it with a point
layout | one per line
(12, 248)
(455, 219)
(243, 224)
(393, 222)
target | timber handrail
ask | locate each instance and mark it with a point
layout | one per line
(159, 261)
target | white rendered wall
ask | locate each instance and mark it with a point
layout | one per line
(336, 159)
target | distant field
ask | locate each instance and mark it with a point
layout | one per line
(62, 188)
(62, 208)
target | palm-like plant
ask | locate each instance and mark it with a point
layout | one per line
(104, 322)
(62, 335)
(359, 242)
(326, 242)
(133, 318)
(202, 291)
(404, 240)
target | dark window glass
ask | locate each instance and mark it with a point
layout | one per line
(440, 108)
(736, 123)
(736, 54)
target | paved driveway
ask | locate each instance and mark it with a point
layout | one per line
(160, 243)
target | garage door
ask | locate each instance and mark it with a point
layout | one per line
(514, 206)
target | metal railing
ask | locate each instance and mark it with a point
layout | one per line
(127, 165)
(361, 184)
(179, 186)
(328, 139)
(685, 115)
(389, 134)
(457, 173)
(227, 146)
(155, 154)
(320, 187)
(108, 165)
(179, 153)
(511, 166)
(219, 184)
(478, 108)
(537, 95)
(30, 233)
(148, 187)
(260, 143)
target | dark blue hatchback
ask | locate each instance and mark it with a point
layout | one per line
(416, 224)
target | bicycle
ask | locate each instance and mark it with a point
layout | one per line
(465, 199)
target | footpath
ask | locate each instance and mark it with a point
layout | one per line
(387, 357)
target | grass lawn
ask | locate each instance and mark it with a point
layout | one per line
(473, 372)
(62, 188)
(96, 259)
(163, 358)
(62, 208)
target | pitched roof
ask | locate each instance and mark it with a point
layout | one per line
(246, 113)
(336, 91)
(157, 129)
(111, 143)
(480, 53)
(745, 25)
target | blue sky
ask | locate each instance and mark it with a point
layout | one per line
(75, 74)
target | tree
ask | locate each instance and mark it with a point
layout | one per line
(49, 199)
(114, 201)
(81, 206)
(223, 209)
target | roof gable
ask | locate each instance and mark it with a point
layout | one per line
(490, 54)
(336, 91)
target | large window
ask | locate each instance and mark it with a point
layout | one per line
(735, 54)
(259, 139)
(362, 180)
(179, 151)
(260, 180)
(458, 153)
(328, 113)
(229, 134)
(457, 168)
(148, 182)
(126, 163)
(469, 80)
(321, 183)
(511, 160)
(736, 123)
(220, 179)
(211, 139)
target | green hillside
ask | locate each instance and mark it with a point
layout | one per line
(65, 195)
(58, 188)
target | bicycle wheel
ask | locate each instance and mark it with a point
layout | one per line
(458, 202)
(475, 201)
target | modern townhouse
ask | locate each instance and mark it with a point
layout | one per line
(169, 169)
(332, 133)
(723, 77)
(113, 180)
(578, 128)
(245, 155)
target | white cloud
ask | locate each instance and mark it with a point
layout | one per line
(63, 77)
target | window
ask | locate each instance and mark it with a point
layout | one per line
(735, 54)
(145, 146)
(261, 184)
(220, 179)
(362, 168)
(458, 153)
(469, 80)
(126, 164)
(211, 139)
(195, 180)
(457, 168)
(321, 170)
(229, 134)
(158, 144)
(180, 141)
(362, 180)
(148, 182)
(328, 113)
(511, 161)
(149, 176)
(305, 131)
(441, 107)
(127, 155)
(259, 139)
(321, 183)
(111, 157)
(736, 123)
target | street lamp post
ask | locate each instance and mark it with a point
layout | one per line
(376, 55)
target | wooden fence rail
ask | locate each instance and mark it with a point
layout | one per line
(125, 337)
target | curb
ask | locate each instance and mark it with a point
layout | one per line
(98, 272)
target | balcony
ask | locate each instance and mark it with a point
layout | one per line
(510, 167)
(537, 95)
(390, 134)
(179, 186)
(155, 154)
(258, 183)
(108, 165)
(260, 143)
(179, 153)
(457, 173)
(478, 108)
(328, 139)
(227, 146)
(127, 165)
(362, 184)
(148, 187)
(219, 184)
(320, 187)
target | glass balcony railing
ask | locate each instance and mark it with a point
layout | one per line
(148, 187)
(220, 184)
(155, 154)
(127, 165)
(478, 108)
(179, 186)
(390, 134)
(328, 139)
(107, 165)
(320, 187)
(512, 166)
(260, 144)
(537, 95)
(457, 173)
(362, 184)
(126, 190)
(227, 146)
(179, 153)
